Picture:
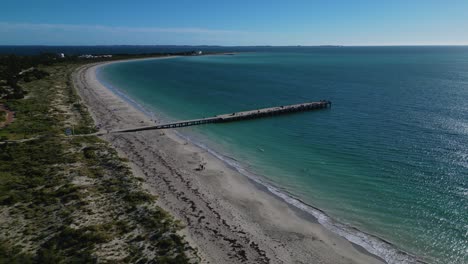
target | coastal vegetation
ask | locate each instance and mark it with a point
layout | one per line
(3, 116)
(16, 69)
(66, 199)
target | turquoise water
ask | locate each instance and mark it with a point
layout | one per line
(389, 158)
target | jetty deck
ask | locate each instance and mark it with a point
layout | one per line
(236, 116)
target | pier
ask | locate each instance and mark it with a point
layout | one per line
(236, 116)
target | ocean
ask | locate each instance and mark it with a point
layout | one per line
(387, 165)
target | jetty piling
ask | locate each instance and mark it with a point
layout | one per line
(236, 116)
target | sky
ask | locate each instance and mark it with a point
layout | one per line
(234, 23)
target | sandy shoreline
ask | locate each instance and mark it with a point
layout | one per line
(229, 218)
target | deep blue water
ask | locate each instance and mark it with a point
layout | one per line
(390, 157)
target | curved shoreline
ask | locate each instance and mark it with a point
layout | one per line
(325, 221)
(365, 242)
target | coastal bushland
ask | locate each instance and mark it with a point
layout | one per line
(68, 199)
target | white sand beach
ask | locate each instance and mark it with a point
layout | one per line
(228, 217)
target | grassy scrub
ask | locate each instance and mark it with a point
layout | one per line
(3, 116)
(72, 199)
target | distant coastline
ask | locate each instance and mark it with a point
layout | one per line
(145, 49)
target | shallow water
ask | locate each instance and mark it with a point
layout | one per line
(390, 157)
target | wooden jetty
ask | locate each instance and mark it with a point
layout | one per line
(237, 116)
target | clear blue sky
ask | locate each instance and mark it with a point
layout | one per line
(241, 22)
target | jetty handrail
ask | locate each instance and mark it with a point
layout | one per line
(236, 116)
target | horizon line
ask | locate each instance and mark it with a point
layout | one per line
(228, 46)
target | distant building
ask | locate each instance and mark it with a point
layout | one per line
(89, 56)
(61, 55)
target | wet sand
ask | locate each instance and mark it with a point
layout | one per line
(228, 217)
